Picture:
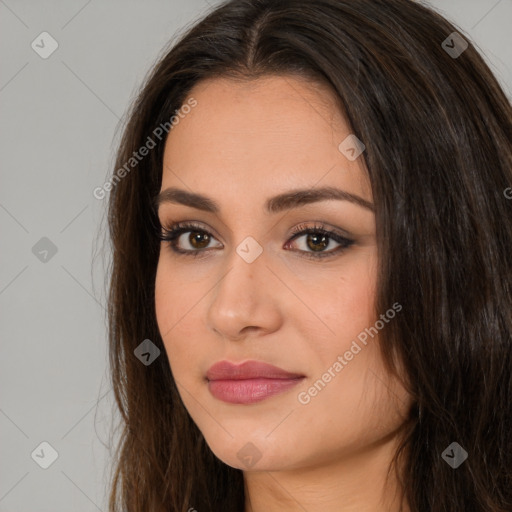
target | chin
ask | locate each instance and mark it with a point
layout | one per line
(253, 452)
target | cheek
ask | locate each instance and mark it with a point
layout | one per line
(166, 306)
(361, 398)
(345, 304)
(345, 307)
(356, 294)
(174, 303)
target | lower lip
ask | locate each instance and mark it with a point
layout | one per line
(251, 390)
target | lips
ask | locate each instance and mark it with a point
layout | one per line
(224, 370)
(249, 382)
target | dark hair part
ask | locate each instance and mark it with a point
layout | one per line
(438, 136)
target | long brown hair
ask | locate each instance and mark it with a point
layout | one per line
(438, 132)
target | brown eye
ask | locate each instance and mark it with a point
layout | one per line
(198, 239)
(317, 242)
(194, 244)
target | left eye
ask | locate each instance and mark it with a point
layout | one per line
(316, 239)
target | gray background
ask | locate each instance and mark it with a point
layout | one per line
(59, 127)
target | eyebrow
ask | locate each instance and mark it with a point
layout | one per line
(275, 204)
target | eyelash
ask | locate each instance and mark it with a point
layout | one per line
(170, 234)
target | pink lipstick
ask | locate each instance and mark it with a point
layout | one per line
(248, 382)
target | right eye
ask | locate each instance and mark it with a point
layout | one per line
(198, 242)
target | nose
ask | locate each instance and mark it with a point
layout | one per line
(245, 299)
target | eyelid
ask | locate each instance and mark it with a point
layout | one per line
(321, 226)
(189, 226)
(298, 229)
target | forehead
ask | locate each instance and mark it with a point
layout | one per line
(271, 133)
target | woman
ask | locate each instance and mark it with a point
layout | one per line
(310, 300)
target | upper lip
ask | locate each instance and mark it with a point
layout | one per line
(225, 370)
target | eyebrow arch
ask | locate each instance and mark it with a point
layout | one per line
(276, 204)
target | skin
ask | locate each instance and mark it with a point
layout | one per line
(244, 142)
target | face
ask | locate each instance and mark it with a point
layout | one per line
(256, 282)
